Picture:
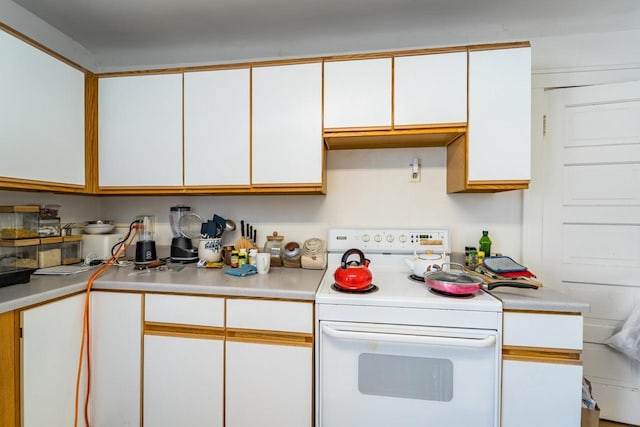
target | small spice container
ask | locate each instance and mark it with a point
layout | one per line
(19, 222)
(71, 250)
(50, 252)
(19, 253)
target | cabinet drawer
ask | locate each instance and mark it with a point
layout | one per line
(543, 330)
(270, 315)
(185, 310)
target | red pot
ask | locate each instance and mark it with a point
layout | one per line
(353, 276)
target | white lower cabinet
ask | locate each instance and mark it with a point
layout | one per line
(183, 361)
(49, 351)
(115, 359)
(540, 394)
(183, 381)
(269, 356)
(268, 385)
(541, 369)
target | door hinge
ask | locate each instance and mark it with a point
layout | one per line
(544, 125)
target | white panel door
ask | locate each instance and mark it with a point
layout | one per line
(183, 381)
(287, 143)
(430, 89)
(41, 115)
(140, 130)
(268, 385)
(116, 348)
(499, 115)
(534, 394)
(49, 351)
(217, 127)
(357, 93)
(591, 225)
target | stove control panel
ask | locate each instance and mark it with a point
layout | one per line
(389, 240)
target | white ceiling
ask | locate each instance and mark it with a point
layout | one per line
(145, 33)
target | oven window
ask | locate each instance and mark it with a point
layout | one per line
(407, 377)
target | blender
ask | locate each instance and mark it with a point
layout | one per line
(145, 246)
(185, 225)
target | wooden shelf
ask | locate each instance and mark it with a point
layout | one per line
(396, 138)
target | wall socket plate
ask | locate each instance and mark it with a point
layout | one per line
(416, 170)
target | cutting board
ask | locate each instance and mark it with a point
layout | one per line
(495, 282)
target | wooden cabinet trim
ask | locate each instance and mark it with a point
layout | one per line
(41, 47)
(184, 331)
(29, 184)
(543, 355)
(9, 369)
(295, 339)
(562, 313)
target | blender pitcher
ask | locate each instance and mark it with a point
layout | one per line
(185, 225)
(145, 246)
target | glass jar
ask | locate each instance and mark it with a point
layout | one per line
(274, 247)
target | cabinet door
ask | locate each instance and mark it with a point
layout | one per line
(287, 143)
(357, 93)
(499, 137)
(140, 131)
(268, 385)
(183, 381)
(50, 347)
(217, 127)
(430, 89)
(541, 394)
(115, 359)
(41, 115)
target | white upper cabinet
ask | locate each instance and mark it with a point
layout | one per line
(430, 89)
(287, 125)
(41, 115)
(499, 136)
(357, 93)
(217, 128)
(140, 130)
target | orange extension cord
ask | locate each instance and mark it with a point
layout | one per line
(85, 328)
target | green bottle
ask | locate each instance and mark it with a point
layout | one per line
(485, 244)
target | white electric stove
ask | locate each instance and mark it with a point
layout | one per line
(401, 354)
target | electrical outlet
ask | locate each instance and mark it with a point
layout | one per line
(416, 170)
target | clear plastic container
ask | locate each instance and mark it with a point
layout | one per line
(19, 253)
(19, 222)
(49, 227)
(50, 252)
(71, 250)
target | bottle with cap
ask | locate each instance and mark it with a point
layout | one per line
(485, 243)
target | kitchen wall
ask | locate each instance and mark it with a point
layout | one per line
(365, 188)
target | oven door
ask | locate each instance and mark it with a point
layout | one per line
(389, 375)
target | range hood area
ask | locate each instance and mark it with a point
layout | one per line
(393, 138)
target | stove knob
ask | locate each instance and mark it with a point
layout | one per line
(402, 238)
(390, 238)
(365, 237)
(377, 238)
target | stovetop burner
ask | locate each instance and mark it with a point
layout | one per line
(416, 278)
(450, 295)
(368, 289)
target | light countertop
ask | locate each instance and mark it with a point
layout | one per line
(542, 299)
(280, 282)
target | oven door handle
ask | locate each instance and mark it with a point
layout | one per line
(410, 339)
